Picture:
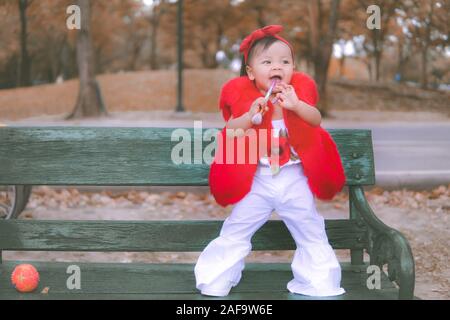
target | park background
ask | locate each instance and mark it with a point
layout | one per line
(394, 80)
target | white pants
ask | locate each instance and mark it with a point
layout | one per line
(315, 267)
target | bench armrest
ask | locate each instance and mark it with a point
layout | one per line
(386, 246)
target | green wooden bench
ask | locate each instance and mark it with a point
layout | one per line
(142, 156)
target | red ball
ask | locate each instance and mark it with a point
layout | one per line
(25, 278)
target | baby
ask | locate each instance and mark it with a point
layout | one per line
(312, 168)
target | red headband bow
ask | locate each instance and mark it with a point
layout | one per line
(268, 31)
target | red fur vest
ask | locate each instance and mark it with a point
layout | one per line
(230, 182)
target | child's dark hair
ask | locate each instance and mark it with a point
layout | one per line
(265, 42)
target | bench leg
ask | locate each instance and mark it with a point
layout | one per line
(356, 255)
(387, 246)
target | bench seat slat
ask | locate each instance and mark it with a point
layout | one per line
(176, 281)
(134, 156)
(175, 236)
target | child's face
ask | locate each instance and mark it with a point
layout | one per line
(273, 63)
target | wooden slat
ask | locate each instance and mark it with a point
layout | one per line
(132, 156)
(178, 236)
(176, 281)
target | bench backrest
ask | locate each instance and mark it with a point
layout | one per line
(142, 156)
(135, 156)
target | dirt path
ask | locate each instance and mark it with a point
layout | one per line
(423, 217)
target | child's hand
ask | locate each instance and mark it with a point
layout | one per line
(258, 106)
(287, 98)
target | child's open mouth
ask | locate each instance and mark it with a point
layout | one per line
(276, 80)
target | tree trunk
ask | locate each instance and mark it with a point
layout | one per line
(369, 69)
(65, 60)
(134, 55)
(424, 76)
(153, 43)
(25, 62)
(89, 102)
(321, 69)
(309, 65)
(341, 66)
(425, 46)
(205, 54)
(155, 20)
(377, 65)
(322, 47)
(402, 60)
(377, 52)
